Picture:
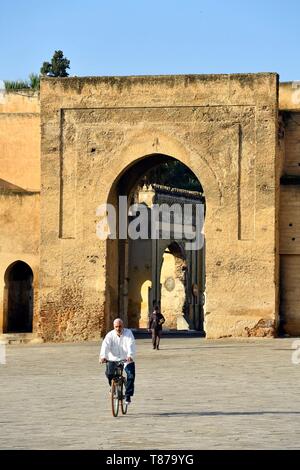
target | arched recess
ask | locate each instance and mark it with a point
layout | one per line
(143, 152)
(18, 298)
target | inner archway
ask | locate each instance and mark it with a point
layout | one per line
(135, 286)
(18, 298)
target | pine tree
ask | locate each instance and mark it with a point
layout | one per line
(58, 66)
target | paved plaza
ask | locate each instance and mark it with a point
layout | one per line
(192, 394)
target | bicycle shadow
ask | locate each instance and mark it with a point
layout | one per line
(164, 347)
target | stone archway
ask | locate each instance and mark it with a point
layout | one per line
(222, 127)
(18, 298)
(117, 249)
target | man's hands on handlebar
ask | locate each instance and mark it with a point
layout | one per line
(103, 360)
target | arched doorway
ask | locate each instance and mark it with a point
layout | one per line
(18, 298)
(133, 266)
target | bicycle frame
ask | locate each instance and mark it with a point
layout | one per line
(118, 385)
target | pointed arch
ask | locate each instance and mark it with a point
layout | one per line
(145, 151)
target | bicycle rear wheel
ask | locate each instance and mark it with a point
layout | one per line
(124, 407)
(114, 398)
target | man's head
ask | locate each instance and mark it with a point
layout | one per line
(118, 326)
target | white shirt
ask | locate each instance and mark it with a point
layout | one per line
(116, 348)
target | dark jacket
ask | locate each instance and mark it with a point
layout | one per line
(156, 321)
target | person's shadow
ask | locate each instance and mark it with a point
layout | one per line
(220, 413)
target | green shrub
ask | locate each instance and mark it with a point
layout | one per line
(33, 83)
(11, 85)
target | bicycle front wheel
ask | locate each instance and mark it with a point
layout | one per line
(124, 407)
(114, 398)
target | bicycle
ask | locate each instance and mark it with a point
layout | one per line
(118, 386)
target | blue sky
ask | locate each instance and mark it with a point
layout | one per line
(141, 37)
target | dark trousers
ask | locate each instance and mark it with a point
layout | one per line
(130, 372)
(156, 335)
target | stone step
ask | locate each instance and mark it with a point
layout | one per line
(20, 338)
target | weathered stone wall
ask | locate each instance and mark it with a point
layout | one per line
(290, 226)
(20, 140)
(22, 101)
(223, 127)
(172, 300)
(19, 240)
(290, 294)
(291, 164)
(20, 167)
(289, 95)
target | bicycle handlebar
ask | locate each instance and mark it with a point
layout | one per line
(121, 361)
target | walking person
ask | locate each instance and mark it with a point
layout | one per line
(156, 321)
(119, 344)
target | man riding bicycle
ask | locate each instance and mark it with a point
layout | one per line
(118, 345)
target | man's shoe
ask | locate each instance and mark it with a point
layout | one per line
(127, 400)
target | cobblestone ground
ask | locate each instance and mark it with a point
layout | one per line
(192, 394)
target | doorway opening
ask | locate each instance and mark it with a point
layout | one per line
(18, 298)
(145, 272)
